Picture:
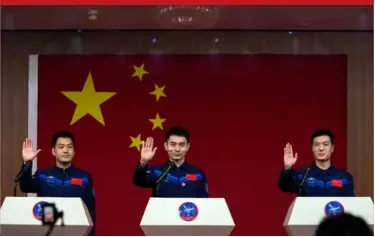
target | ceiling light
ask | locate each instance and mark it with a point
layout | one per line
(92, 14)
(187, 16)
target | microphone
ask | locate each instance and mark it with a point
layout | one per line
(24, 168)
(166, 171)
(303, 181)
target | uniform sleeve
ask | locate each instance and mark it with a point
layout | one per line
(29, 183)
(89, 199)
(143, 177)
(349, 188)
(288, 181)
(203, 187)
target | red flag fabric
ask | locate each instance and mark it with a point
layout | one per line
(191, 177)
(240, 110)
(337, 183)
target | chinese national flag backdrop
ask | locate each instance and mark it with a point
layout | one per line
(240, 111)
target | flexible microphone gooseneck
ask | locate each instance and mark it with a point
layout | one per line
(162, 177)
(303, 181)
(25, 167)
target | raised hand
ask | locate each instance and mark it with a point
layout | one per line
(28, 152)
(148, 150)
(289, 159)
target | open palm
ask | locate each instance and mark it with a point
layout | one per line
(289, 158)
(28, 152)
(148, 150)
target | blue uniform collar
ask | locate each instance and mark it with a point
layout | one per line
(183, 166)
(317, 170)
(60, 170)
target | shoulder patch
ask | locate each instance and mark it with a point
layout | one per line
(206, 187)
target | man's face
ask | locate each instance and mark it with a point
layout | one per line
(322, 148)
(176, 146)
(64, 150)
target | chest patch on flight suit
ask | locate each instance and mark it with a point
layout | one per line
(312, 182)
(173, 179)
(337, 183)
(191, 177)
(53, 181)
(76, 181)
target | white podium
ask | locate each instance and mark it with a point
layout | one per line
(19, 216)
(187, 217)
(305, 213)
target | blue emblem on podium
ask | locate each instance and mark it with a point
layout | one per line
(38, 210)
(188, 211)
(333, 208)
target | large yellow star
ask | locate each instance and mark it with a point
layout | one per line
(88, 101)
(158, 92)
(136, 142)
(139, 71)
(157, 122)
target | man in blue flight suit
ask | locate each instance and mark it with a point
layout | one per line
(62, 180)
(176, 178)
(320, 178)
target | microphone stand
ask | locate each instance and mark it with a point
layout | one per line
(162, 177)
(24, 168)
(303, 181)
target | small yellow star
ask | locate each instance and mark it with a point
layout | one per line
(158, 92)
(157, 122)
(139, 71)
(136, 142)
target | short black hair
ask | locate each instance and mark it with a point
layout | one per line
(178, 131)
(344, 224)
(61, 134)
(322, 132)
